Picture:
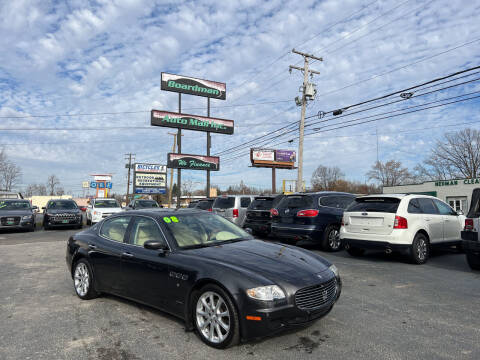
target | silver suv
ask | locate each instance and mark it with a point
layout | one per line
(232, 207)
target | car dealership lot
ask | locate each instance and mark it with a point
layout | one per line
(389, 309)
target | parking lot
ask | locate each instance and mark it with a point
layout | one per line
(389, 309)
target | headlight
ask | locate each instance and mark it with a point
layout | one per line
(334, 270)
(27, 217)
(96, 213)
(267, 293)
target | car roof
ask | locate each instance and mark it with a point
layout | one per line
(160, 212)
(397, 196)
(321, 193)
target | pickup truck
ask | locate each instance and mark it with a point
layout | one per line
(470, 240)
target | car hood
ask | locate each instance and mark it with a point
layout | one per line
(15, 212)
(63, 211)
(288, 266)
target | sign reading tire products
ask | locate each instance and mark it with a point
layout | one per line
(149, 179)
(191, 122)
(193, 162)
(193, 86)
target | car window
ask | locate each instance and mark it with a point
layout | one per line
(144, 204)
(414, 207)
(14, 205)
(106, 203)
(224, 202)
(115, 228)
(192, 204)
(427, 206)
(245, 201)
(145, 229)
(374, 204)
(443, 208)
(62, 205)
(339, 202)
(261, 204)
(204, 204)
(296, 201)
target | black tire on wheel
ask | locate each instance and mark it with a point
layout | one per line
(83, 282)
(31, 229)
(79, 226)
(473, 260)
(420, 249)
(355, 251)
(232, 335)
(331, 240)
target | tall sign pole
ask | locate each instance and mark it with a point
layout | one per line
(208, 149)
(308, 93)
(171, 171)
(179, 148)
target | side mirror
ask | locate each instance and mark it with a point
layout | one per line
(248, 230)
(34, 207)
(155, 245)
(460, 212)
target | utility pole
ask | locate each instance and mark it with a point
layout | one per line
(129, 167)
(171, 170)
(308, 93)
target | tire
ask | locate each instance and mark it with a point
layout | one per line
(202, 315)
(79, 226)
(331, 239)
(473, 261)
(83, 280)
(89, 222)
(420, 249)
(355, 251)
(31, 229)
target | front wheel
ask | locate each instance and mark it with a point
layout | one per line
(473, 261)
(420, 250)
(83, 280)
(215, 317)
(331, 238)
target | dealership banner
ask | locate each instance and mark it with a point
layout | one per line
(285, 155)
(193, 162)
(149, 179)
(263, 154)
(191, 122)
(193, 86)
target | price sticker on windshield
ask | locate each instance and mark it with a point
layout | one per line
(170, 219)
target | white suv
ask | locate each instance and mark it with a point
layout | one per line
(400, 222)
(100, 208)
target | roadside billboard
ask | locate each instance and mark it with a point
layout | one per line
(273, 158)
(263, 154)
(149, 179)
(191, 122)
(285, 155)
(193, 162)
(193, 86)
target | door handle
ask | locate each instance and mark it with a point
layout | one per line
(91, 246)
(127, 255)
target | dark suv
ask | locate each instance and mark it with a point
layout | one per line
(61, 212)
(204, 204)
(311, 217)
(258, 217)
(17, 213)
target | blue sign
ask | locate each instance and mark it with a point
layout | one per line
(109, 185)
(93, 184)
(150, 190)
(101, 185)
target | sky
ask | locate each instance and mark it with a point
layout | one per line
(96, 65)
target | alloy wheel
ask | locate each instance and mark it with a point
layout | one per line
(334, 239)
(81, 279)
(421, 249)
(213, 317)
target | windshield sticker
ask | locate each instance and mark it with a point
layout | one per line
(170, 219)
(174, 219)
(167, 220)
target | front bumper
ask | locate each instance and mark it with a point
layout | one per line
(60, 223)
(27, 224)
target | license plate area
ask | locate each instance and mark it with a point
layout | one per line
(366, 221)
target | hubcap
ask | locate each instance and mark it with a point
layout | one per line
(81, 279)
(334, 239)
(213, 317)
(421, 249)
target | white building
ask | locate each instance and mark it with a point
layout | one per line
(456, 192)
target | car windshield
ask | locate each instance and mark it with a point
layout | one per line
(192, 204)
(147, 204)
(200, 230)
(224, 202)
(62, 205)
(14, 205)
(204, 204)
(296, 201)
(261, 204)
(372, 204)
(106, 204)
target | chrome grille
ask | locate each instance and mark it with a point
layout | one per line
(65, 216)
(313, 297)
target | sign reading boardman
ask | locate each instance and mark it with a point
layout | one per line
(193, 86)
(191, 122)
(193, 162)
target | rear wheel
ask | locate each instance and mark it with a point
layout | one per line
(355, 251)
(331, 238)
(420, 249)
(473, 261)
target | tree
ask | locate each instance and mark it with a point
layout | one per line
(52, 183)
(35, 189)
(457, 155)
(324, 178)
(10, 174)
(390, 173)
(187, 186)
(59, 191)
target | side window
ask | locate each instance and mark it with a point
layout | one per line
(330, 201)
(414, 207)
(245, 201)
(114, 229)
(443, 208)
(145, 229)
(427, 206)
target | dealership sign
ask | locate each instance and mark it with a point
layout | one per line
(193, 86)
(150, 168)
(193, 162)
(149, 179)
(191, 122)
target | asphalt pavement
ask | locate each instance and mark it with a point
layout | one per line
(388, 309)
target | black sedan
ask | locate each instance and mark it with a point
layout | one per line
(198, 266)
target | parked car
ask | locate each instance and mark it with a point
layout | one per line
(471, 242)
(192, 204)
(61, 213)
(406, 223)
(17, 214)
(311, 218)
(205, 270)
(258, 217)
(137, 204)
(232, 207)
(100, 208)
(204, 204)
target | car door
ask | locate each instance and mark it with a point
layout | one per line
(107, 251)
(432, 219)
(145, 270)
(452, 227)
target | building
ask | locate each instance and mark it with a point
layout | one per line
(456, 192)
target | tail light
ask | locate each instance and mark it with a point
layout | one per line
(235, 213)
(400, 223)
(209, 209)
(273, 212)
(468, 224)
(307, 213)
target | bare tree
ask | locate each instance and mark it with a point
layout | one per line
(187, 186)
(35, 189)
(52, 183)
(325, 178)
(59, 191)
(390, 173)
(10, 174)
